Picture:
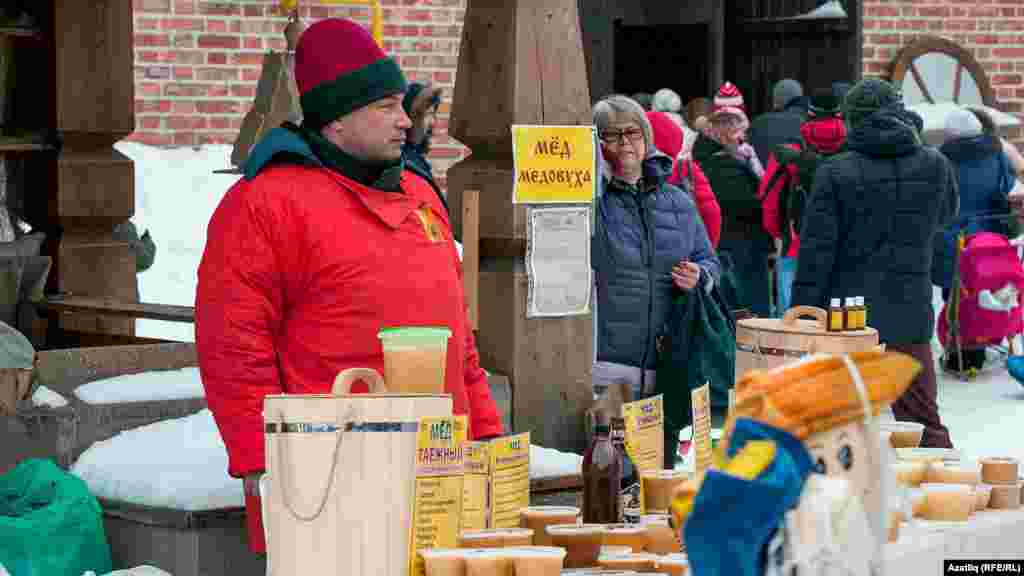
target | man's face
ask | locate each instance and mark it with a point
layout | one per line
(374, 133)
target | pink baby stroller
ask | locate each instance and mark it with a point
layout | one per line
(984, 306)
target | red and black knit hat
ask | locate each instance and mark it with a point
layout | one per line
(729, 100)
(340, 68)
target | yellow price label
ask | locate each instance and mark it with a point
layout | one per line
(510, 479)
(476, 485)
(645, 433)
(438, 489)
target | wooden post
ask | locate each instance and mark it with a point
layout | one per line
(471, 254)
(521, 62)
(86, 188)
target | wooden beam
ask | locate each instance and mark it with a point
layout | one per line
(111, 307)
(471, 253)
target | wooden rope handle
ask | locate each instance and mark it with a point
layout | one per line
(344, 380)
(819, 315)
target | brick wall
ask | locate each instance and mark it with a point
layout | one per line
(197, 61)
(992, 30)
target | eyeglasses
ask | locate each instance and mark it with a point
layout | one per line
(631, 134)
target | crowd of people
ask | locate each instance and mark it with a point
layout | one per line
(837, 188)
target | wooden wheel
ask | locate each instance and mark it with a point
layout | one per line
(933, 70)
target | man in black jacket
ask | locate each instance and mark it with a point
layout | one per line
(868, 231)
(782, 124)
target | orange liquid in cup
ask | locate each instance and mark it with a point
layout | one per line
(659, 487)
(489, 562)
(538, 518)
(496, 538)
(537, 561)
(635, 562)
(582, 543)
(630, 535)
(661, 538)
(415, 359)
(444, 562)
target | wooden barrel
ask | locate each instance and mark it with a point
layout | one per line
(765, 343)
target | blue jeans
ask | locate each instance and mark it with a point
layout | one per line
(785, 273)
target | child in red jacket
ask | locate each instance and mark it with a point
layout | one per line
(668, 139)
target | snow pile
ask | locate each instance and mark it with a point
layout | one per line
(179, 464)
(47, 398)
(549, 463)
(143, 387)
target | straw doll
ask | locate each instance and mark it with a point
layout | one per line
(835, 525)
(832, 404)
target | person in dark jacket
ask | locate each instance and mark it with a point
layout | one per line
(782, 124)
(732, 168)
(420, 103)
(869, 231)
(649, 242)
(985, 177)
(789, 179)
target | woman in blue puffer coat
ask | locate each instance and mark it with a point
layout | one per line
(649, 242)
(986, 177)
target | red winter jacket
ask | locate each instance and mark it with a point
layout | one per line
(668, 139)
(707, 204)
(827, 136)
(302, 268)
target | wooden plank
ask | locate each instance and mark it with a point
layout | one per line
(19, 31)
(112, 307)
(471, 253)
(22, 145)
(556, 484)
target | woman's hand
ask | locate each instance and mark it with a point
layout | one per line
(685, 275)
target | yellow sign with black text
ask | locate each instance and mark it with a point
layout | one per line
(437, 496)
(510, 479)
(554, 164)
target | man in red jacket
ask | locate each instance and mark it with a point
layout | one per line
(323, 242)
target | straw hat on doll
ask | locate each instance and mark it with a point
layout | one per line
(819, 392)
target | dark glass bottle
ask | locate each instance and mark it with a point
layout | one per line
(602, 476)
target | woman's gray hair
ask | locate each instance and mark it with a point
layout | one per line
(620, 109)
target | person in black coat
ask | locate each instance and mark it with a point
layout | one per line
(421, 102)
(782, 124)
(869, 230)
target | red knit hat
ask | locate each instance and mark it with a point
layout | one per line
(668, 136)
(729, 100)
(340, 68)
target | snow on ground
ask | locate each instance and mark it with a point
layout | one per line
(176, 192)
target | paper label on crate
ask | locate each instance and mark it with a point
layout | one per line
(645, 433)
(476, 485)
(437, 495)
(510, 479)
(701, 401)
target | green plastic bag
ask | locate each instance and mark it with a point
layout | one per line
(49, 523)
(698, 345)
